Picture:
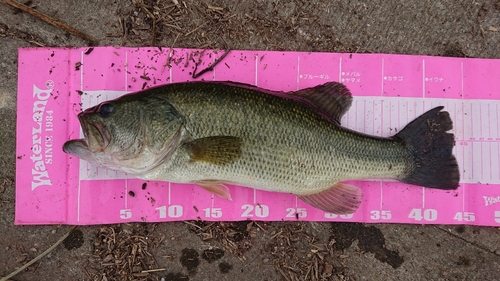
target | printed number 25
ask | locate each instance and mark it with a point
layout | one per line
(296, 212)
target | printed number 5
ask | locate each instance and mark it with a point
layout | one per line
(125, 214)
(384, 214)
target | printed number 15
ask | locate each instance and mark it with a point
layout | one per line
(213, 212)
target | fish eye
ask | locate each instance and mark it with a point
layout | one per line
(106, 109)
(170, 115)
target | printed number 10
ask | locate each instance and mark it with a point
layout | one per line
(173, 211)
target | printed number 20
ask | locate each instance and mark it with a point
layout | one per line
(261, 211)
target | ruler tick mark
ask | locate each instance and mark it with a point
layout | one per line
(256, 70)
(298, 73)
(169, 193)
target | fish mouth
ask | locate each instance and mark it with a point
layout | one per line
(96, 136)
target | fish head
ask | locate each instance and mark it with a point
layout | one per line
(129, 134)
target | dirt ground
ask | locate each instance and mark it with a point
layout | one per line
(198, 250)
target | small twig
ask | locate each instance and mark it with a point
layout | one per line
(283, 273)
(190, 223)
(86, 272)
(50, 20)
(210, 67)
(39, 256)
(207, 227)
(256, 223)
(170, 54)
(36, 43)
(274, 236)
(187, 34)
(153, 270)
(172, 26)
(215, 8)
(153, 39)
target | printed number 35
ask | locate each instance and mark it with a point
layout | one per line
(377, 215)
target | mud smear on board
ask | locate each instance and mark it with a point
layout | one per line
(370, 239)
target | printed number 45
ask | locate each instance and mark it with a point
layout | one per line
(464, 216)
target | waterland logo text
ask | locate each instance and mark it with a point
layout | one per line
(39, 173)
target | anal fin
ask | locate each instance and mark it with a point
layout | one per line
(340, 199)
(216, 188)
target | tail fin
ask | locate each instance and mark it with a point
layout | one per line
(430, 146)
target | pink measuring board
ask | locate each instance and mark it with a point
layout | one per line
(55, 84)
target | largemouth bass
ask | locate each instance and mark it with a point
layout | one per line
(217, 133)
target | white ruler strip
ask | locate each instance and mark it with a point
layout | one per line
(476, 129)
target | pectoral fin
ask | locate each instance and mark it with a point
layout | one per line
(339, 199)
(219, 150)
(216, 188)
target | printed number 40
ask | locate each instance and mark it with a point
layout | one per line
(427, 214)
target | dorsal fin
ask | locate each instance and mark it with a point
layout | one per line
(333, 99)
